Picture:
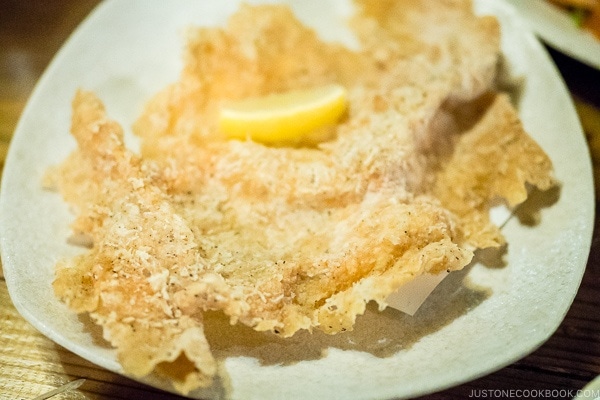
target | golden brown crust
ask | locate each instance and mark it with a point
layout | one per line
(138, 242)
(492, 159)
(289, 238)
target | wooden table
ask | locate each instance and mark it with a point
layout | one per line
(30, 364)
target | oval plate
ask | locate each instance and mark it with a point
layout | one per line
(475, 322)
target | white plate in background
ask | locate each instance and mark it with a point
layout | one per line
(557, 28)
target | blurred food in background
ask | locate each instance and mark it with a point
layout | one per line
(585, 13)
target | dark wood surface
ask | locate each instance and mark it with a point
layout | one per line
(30, 364)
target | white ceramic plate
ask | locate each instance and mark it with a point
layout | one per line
(557, 29)
(476, 321)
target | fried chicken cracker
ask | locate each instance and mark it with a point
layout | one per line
(283, 238)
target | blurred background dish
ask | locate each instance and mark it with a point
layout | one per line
(558, 29)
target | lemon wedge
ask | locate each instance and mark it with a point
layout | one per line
(284, 117)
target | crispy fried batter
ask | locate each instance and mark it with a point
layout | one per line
(289, 238)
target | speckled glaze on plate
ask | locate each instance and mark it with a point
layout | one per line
(478, 320)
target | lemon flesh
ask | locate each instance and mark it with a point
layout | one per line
(283, 117)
